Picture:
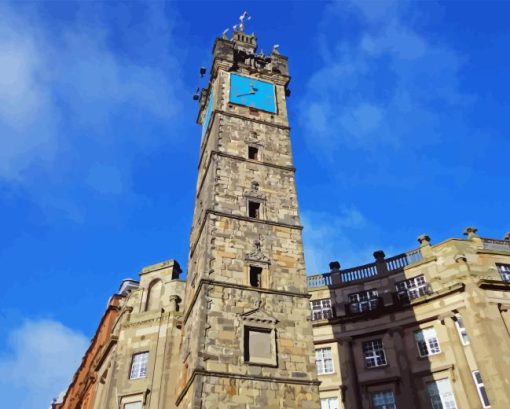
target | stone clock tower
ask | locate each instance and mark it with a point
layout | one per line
(247, 335)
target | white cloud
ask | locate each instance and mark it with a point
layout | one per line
(382, 84)
(329, 237)
(66, 90)
(42, 358)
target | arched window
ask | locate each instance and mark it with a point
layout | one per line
(154, 296)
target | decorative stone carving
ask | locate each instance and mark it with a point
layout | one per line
(257, 255)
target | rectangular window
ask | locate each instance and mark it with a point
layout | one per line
(441, 394)
(426, 340)
(133, 405)
(253, 153)
(459, 324)
(259, 346)
(256, 276)
(481, 389)
(504, 271)
(373, 353)
(412, 288)
(363, 301)
(324, 361)
(254, 209)
(139, 365)
(329, 403)
(321, 309)
(384, 400)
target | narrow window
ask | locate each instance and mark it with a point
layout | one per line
(329, 403)
(253, 153)
(384, 400)
(256, 276)
(321, 309)
(373, 352)
(441, 394)
(254, 209)
(324, 361)
(139, 365)
(426, 340)
(481, 389)
(461, 330)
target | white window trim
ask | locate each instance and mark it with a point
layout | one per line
(461, 330)
(442, 396)
(427, 340)
(504, 271)
(364, 300)
(136, 370)
(323, 360)
(394, 403)
(324, 310)
(373, 354)
(478, 387)
(326, 403)
(414, 287)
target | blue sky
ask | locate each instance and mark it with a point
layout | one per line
(399, 127)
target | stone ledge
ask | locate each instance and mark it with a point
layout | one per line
(206, 281)
(269, 379)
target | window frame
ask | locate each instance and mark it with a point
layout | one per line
(366, 300)
(322, 359)
(327, 401)
(427, 341)
(461, 330)
(376, 353)
(385, 404)
(504, 271)
(441, 395)
(324, 309)
(140, 374)
(412, 288)
(479, 386)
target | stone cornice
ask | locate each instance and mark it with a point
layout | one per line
(205, 281)
(245, 377)
(457, 287)
(493, 284)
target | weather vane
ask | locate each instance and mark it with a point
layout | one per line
(242, 18)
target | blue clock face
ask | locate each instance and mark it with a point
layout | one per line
(252, 92)
(208, 113)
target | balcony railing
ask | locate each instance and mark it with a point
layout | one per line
(365, 271)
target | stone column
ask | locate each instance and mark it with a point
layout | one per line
(408, 397)
(352, 393)
(461, 367)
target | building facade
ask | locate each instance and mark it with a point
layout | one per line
(425, 329)
(248, 329)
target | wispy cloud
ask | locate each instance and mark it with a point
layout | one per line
(382, 84)
(334, 237)
(42, 358)
(71, 97)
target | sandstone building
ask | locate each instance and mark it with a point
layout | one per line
(248, 329)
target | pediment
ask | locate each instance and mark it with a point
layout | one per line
(258, 315)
